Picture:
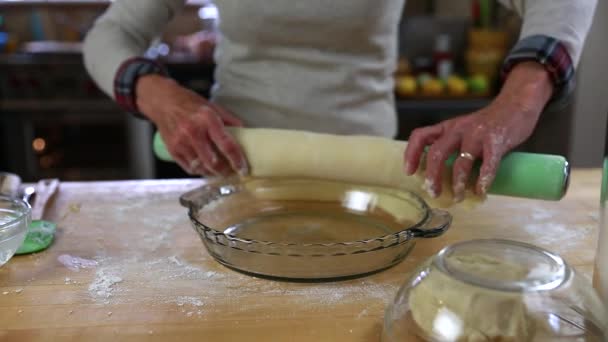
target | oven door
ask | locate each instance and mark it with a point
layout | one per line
(74, 140)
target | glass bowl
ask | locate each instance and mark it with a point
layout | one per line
(309, 229)
(15, 217)
(495, 290)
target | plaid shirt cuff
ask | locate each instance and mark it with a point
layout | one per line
(126, 79)
(554, 56)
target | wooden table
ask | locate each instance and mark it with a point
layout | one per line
(144, 275)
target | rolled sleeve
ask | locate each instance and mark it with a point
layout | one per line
(119, 38)
(554, 56)
(126, 79)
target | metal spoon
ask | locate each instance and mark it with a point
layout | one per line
(27, 192)
(42, 191)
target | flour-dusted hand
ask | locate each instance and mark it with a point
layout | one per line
(487, 134)
(193, 128)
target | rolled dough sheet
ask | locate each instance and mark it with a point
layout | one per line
(359, 159)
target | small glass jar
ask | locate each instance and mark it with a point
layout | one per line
(600, 271)
(15, 217)
(495, 290)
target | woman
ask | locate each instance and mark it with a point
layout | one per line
(326, 66)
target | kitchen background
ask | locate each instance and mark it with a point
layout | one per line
(54, 122)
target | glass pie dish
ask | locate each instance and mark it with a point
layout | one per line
(303, 229)
(495, 290)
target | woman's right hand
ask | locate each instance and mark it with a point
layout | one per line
(192, 128)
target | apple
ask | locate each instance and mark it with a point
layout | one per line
(433, 87)
(406, 86)
(423, 78)
(457, 85)
(478, 83)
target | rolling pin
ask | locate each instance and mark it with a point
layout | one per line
(520, 174)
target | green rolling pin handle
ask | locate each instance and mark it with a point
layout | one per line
(160, 149)
(520, 174)
(529, 175)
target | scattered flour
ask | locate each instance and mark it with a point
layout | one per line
(103, 285)
(69, 281)
(334, 293)
(594, 216)
(188, 300)
(174, 260)
(542, 214)
(160, 278)
(162, 227)
(362, 313)
(18, 290)
(75, 263)
(549, 233)
(166, 269)
(172, 280)
(157, 277)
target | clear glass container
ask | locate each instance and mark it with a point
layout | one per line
(495, 290)
(600, 271)
(15, 217)
(309, 229)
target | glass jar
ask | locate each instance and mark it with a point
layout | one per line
(15, 217)
(495, 290)
(600, 274)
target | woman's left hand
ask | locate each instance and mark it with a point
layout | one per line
(487, 134)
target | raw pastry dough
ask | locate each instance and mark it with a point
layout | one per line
(359, 159)
(464, 312)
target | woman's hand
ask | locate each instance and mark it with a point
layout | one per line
(192, 128)
(487, 134)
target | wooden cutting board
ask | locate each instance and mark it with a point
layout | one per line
(126, 265)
